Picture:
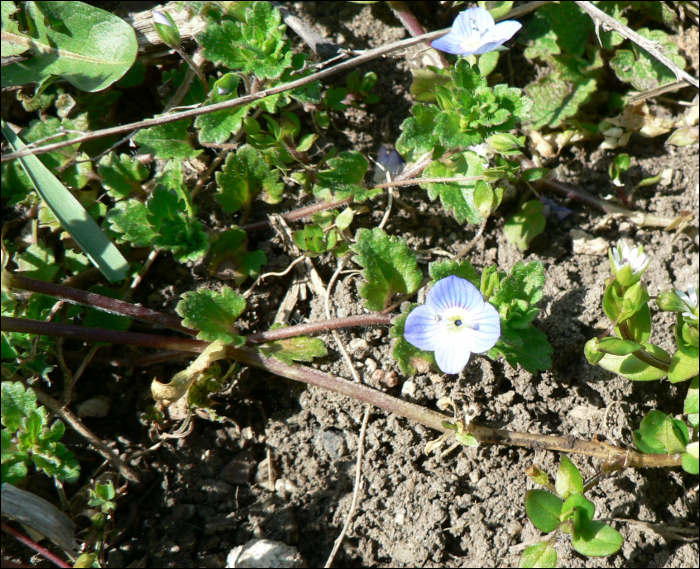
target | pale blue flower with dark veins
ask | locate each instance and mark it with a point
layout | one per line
(454, 322)
(475, 32)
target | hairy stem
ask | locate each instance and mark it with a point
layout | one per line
(362, 393)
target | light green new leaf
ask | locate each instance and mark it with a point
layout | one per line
(38, 262)
(558, 98)
(456, 197)
(526, 224)
(597, 540)
(390, 267)
(71, 214)
(121, 175)
(543, 508)
(88, 47)
(168, 140)
(642, 70)
(344, 178)
(569, 480)
(213, 313)
(244, 175)
(539, 555)
(254, 43)
(128, 223)
(299, 349)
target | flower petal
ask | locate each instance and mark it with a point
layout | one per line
(483, 330)
(451, 355)
(454, 291)
(473, 21)
(423, 330)
(449, 43)
(501, 32)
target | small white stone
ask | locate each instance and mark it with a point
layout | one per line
(371, 366)
(359, 347)
(408, 389)
(264, 553)
(586, 244)
(94, 407)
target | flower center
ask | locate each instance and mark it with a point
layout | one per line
(458, 322)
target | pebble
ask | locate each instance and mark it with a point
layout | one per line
(264, 553)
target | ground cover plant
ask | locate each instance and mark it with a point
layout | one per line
(493, 234)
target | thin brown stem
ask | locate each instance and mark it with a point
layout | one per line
(356, 391)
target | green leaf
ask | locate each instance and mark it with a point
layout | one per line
(533, 355)
(557, 29)
(691, 406)
(641, 69)
(121, 175)
(38, 262)
(617, 346)
(418, 138)
(299, 349)
(405, 354)
(597, 540)
(390, 267)
(17, 404)
(169, 140)
(534, 174)
(445, 268)
(314, 240)
(232, 246)
(645, 437)
(526, 224)
(254, 44)
(558, 98)
(673, 435)
(456, 197)
(91, 48)
(690, 463)
(72, 216)
(128, 222)
(244, 175)
(540, 554)
(344, 178)
(214, 314)
(544, 509)
(569, 479)
(578, 509)
(633, 368)
(177, 232)
(682, 367)
(219, 126)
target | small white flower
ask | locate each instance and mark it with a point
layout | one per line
(475, 32)
(454, 322)
(162, 19)
(623, 255)
(691, 302)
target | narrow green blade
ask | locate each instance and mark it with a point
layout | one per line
(72, 215)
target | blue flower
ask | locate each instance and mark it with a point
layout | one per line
(454, 322)
(474, 32)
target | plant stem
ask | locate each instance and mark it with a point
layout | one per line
(320, 326)
(122, 308)
(643, 355)
(112, 305)
(362, 393)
